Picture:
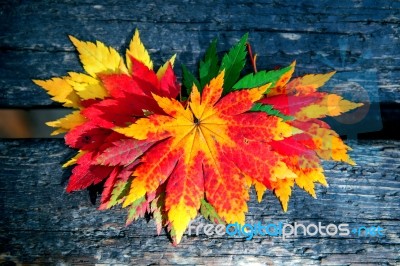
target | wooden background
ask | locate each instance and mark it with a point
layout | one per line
(41, 224)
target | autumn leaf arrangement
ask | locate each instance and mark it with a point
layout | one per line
(171, 152)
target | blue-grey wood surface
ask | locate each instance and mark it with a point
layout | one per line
(41, 224)
(349, 36)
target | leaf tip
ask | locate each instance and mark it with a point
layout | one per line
(136, 34)
(74, 40)
(37, 81)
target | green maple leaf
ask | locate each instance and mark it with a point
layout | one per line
(233, 62)
(209, 67)
(189, 79)
(208, 211)
(266, 108)
(137, 209)
(260, 78)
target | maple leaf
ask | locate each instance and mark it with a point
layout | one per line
(138, 51)
(97, 58)
(172, 159)
(67, 123)
(196, 147)
(209, 67)
(232, 63)
(300, 100)
(262, 77)
(61, 91)
(208, 211)
(111, 93)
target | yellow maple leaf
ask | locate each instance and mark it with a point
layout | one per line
(138, 51)
(86, 86)
(66, 123)
(331, 104)
(283, 189)
(163, 68)
(61, 91)
(97, 58)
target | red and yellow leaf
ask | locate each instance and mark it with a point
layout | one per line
(169, 158)
(197, 152)
(138, 51)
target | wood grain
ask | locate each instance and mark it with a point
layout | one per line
(352, 37)
(40, 223)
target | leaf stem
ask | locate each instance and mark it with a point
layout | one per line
(252, 58)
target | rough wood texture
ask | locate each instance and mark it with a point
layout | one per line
(42, 224)
(354, 37)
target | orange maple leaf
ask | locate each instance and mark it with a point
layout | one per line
(171, 158)
(301, 99)
(199, 154)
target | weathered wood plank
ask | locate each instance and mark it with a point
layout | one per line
(40, 223)
(321, 35)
